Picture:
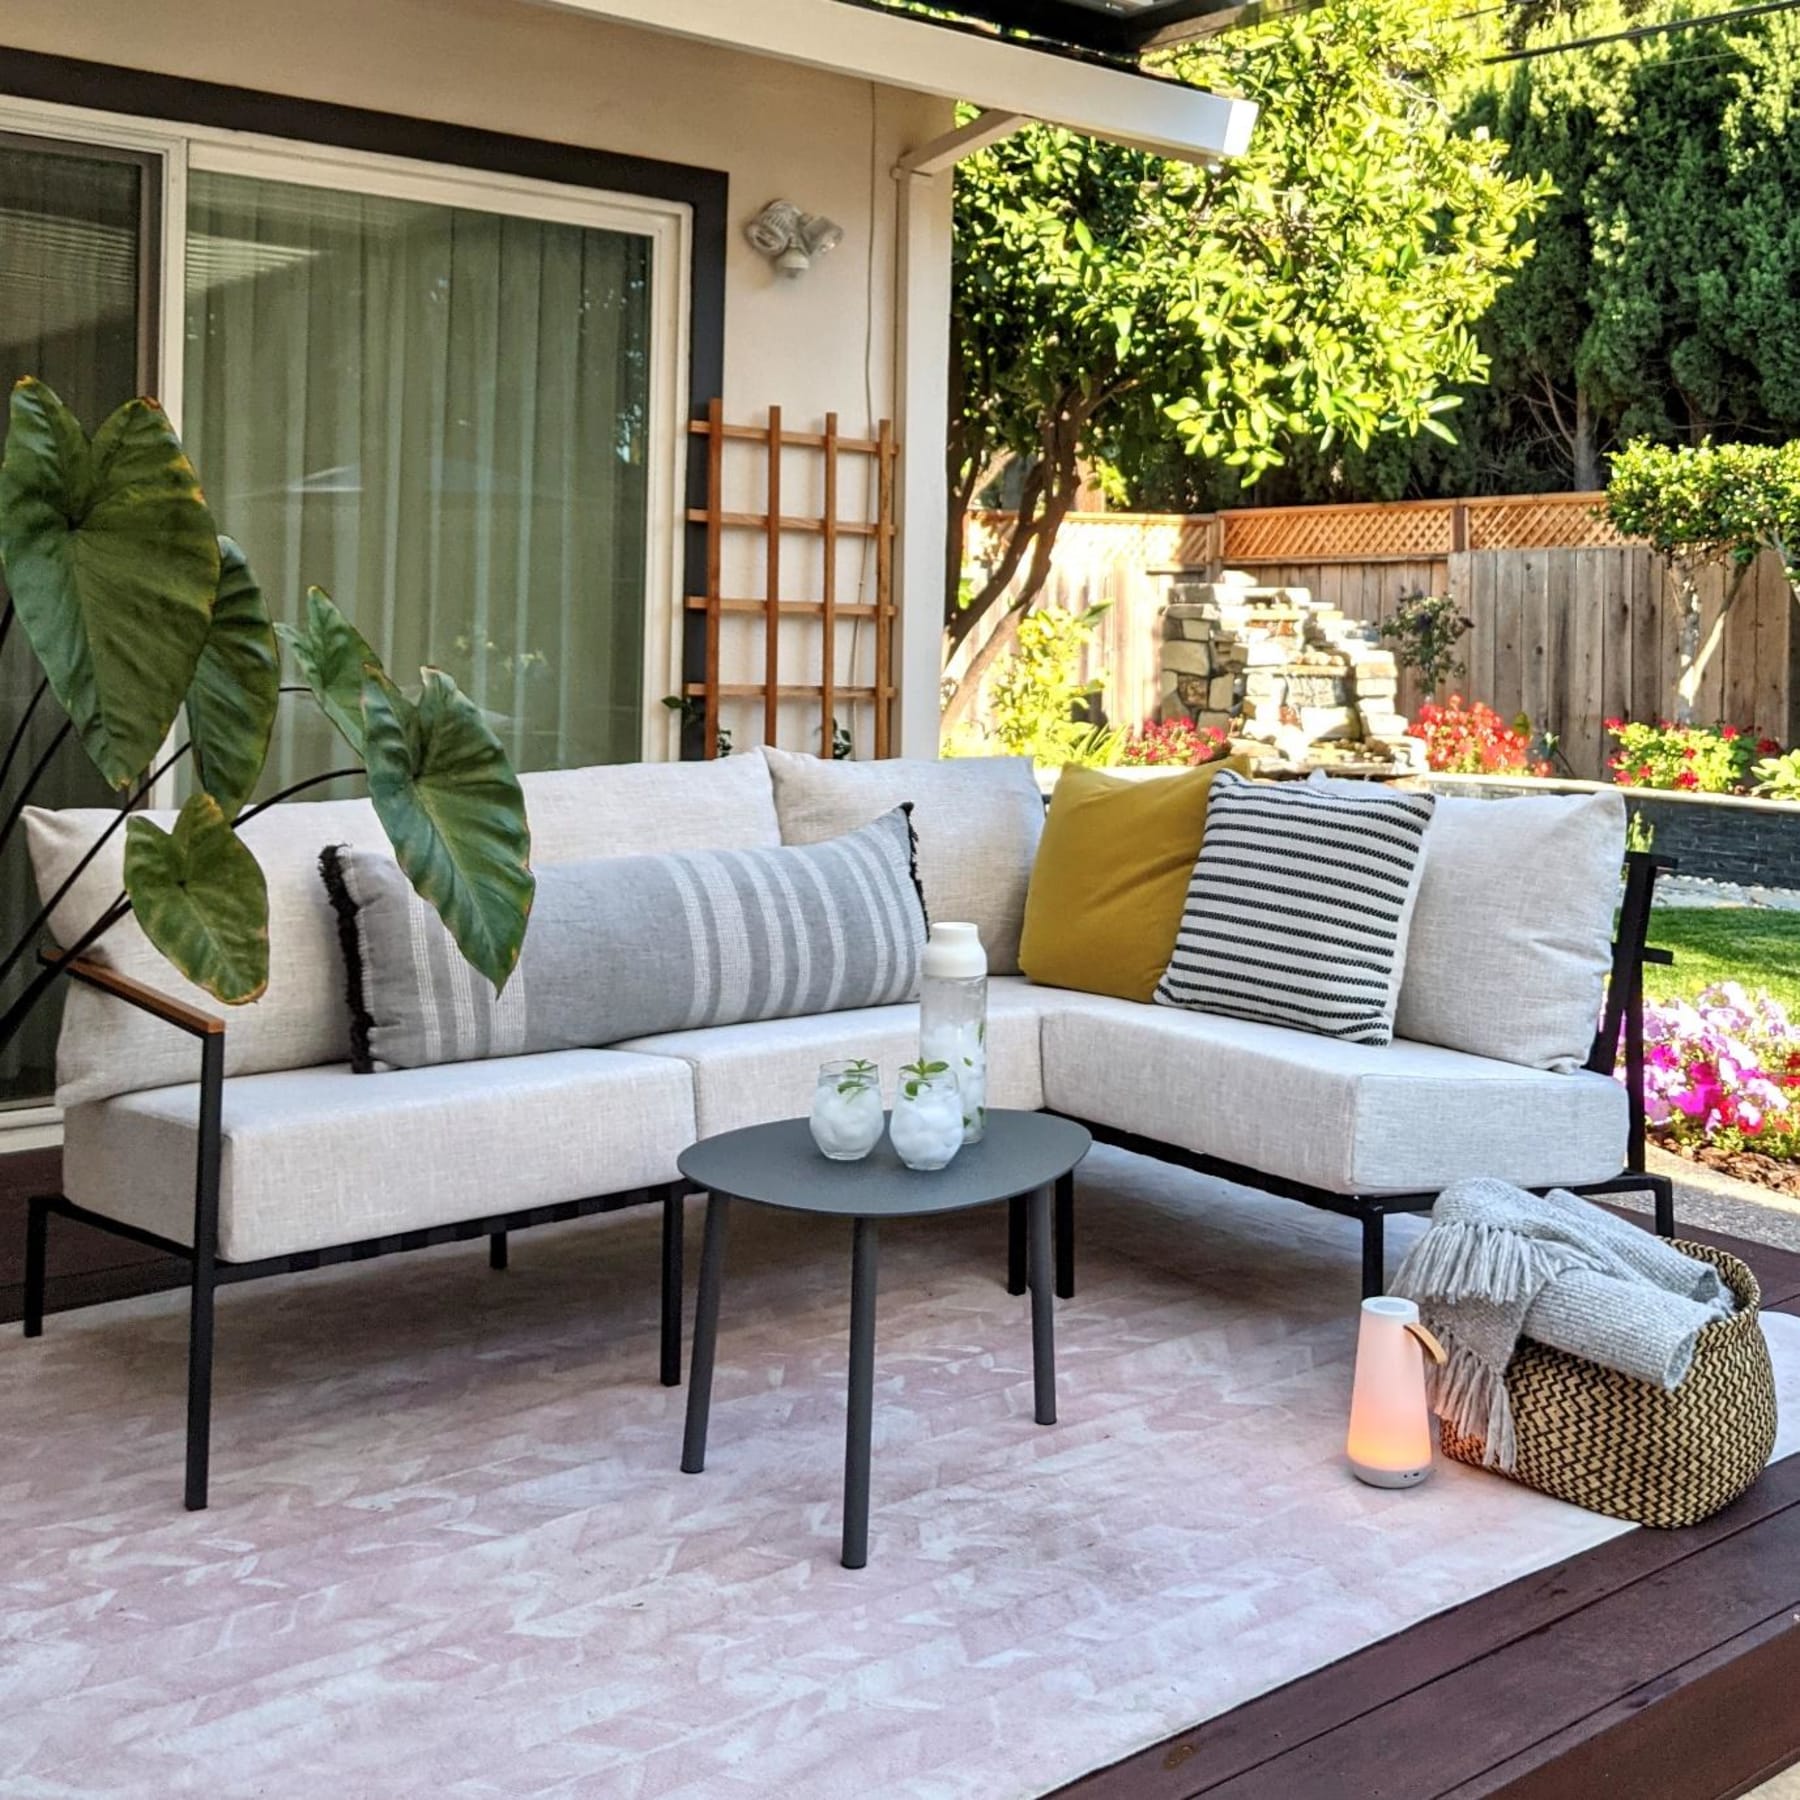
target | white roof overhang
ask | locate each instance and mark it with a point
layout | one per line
(1013, 81)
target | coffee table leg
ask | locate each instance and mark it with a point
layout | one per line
(1015, 1244)
(864, 1257)
(1043, 1315)
(706, 1334)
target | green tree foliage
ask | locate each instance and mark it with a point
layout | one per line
(1723, 503)
(1663, 300)
(1321, 289)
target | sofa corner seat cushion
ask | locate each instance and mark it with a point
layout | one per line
(1512, 933)
(108, 1047)
(624, 945)
(752, 1074)
(1111, 877)
(321, 1156)
(1398, 1118)
(978, 821)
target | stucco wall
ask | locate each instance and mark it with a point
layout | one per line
(508, 65)
(823, 343)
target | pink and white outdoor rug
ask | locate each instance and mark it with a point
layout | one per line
(450, 1552)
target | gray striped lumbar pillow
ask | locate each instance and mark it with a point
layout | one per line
(627, 945)
(1299, 905)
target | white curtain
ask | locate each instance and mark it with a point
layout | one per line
(440, 416)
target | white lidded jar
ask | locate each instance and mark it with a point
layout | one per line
(953, 1015)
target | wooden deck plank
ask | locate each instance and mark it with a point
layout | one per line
(1208, 1759)
(1450, 1736)
(1663, 1742)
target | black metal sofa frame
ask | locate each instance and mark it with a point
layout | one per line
(208, 1273)
(1621, 1026)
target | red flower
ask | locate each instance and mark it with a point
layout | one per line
(1687, 779)
(1729, 733)
(1615, 724)
(1688, 752)
(1767, 747)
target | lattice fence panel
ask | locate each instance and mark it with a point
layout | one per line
(1401, 533)
(1540, 522)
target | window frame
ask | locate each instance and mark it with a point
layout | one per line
(666, 224)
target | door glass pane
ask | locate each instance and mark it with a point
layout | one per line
(440, 416)
(70, 312)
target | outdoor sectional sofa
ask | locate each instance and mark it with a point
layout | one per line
(245, 1143)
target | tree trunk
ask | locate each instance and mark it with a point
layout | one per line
(1689, 664)
(1586, 457)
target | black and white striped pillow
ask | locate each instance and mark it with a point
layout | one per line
(1299, 905)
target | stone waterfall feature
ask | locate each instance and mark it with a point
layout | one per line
(1291, 681)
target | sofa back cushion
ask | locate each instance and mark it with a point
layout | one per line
(1299, 906)
(1111, 878)
(978, 821)
(110, 1048)
(625, 946)
(1512, 933)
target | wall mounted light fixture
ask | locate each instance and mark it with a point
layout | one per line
(792, 239)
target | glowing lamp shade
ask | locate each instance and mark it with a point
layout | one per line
(1390, 1426)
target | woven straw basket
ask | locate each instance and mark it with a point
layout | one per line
(1625, 1447)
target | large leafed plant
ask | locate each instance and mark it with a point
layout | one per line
(148, 625)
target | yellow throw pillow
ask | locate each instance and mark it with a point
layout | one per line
(1111, 878)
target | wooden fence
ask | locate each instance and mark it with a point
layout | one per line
(1569, 634)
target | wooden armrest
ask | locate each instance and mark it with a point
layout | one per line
(134, 993)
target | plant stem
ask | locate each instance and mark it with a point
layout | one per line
(31, 781)
(287, 793)
(21, 1009)
(18, 736)
(7, 614)
(49, 907)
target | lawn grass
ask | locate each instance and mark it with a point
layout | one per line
(1756, 946)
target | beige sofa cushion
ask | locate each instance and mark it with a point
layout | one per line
(1395, 1118)
(314, 1157)
(978, 819)
(1512, 931)
(749, 1074)
(302, 1019)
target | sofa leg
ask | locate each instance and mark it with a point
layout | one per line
(200, 1373)
(496, 1249)
(1016, 1220)
(1374, 1255)
(206, 1251)
(1065, 1236)
(1662, 1188)
(674, 1217)
(37, 1248)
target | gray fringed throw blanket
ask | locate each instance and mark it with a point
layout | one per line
(1499, 1264)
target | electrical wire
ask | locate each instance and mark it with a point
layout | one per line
(1635, 33)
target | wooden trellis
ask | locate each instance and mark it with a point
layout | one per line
(776, 606)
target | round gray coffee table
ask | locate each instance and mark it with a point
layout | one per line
(1022, 1155)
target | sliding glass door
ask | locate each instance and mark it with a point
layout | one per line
(77, 309)
(440, 415)
(450, 398)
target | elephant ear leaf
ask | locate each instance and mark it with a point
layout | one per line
(332, 656)
(200, 896)
(112, 560)
(453, 810)
(237, 687)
